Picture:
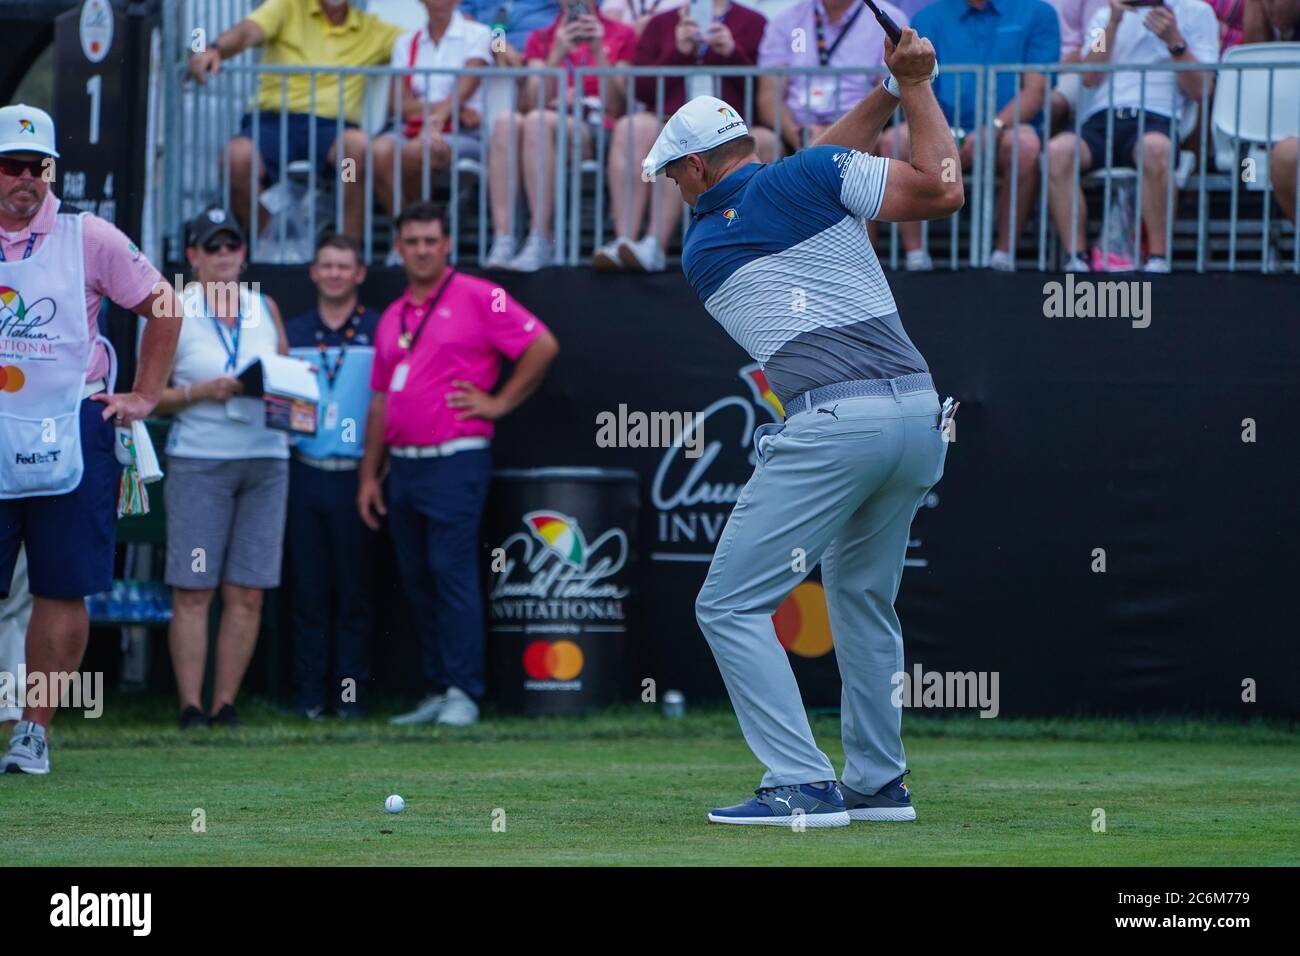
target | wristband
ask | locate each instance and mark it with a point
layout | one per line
(891, 84)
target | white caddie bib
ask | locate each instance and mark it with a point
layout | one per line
(44, 350)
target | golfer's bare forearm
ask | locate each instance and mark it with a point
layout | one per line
(860, 127)
(934, 151)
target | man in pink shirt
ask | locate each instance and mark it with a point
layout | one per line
(438, 352)
(58, 468)
(1074, 16)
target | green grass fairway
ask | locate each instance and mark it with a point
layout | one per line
(631, 788)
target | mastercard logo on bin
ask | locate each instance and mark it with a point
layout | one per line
(560, 660)
(11, 378)
(803, 625)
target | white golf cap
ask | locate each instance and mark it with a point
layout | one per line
(26, 129)
(699, 126)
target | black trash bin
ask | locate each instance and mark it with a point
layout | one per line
(560, 544)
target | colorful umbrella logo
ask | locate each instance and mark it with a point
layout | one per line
(560, 534)
(11, 301)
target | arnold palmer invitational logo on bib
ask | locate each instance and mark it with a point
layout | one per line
(26, 328)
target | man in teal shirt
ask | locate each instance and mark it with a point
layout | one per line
(326, 541)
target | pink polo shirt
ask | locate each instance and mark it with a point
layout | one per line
(115, 267)
(473, 327)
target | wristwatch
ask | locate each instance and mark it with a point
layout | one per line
(1177, 50)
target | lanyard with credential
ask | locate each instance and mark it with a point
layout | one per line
(232, 346)
(27, 253)
(407, 340)
(824, 55)
(333, 373)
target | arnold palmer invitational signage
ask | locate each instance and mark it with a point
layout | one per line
(559, 553)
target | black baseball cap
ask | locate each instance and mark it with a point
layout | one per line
(212, 222)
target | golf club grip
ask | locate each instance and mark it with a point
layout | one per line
(886, 22)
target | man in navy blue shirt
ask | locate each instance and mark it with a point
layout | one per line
(989, 32)
(327, 543)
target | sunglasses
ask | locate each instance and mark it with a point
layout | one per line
(223, 245)
(14, 167)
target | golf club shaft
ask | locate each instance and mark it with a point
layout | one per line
(886, 22)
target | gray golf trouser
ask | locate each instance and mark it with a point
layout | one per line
(844, 488)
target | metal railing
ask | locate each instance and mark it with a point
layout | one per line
(202, 119)
(1191, 127)
(213, 182)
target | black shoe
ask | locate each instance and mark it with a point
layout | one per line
(192, 718)
(227, 716)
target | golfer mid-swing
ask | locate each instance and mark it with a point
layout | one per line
(779, 255)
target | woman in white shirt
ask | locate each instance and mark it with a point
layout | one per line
(426, 101)
(227, 473)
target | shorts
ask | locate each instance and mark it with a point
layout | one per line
(1093, 132)
(299, 139)
(71, 537)
(225, 521)
(467, 144)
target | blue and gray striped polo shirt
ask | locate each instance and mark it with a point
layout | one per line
(779, 255)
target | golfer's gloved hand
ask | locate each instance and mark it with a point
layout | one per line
(891, 84)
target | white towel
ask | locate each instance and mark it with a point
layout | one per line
(135, 447)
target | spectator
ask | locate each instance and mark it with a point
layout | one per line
(227, 472)
(526, 139)
(1282, 175)
(1073, 17)
(1270, 21)
(449, 40)
(328, 545)
(988, 33)
(319, 33)
(1180, 31)
(812, 33)
(516, 18)
(638, 13)
(670, 39)
(431, 415)
(1231, 15)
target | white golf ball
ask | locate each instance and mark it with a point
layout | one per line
(395, 804)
